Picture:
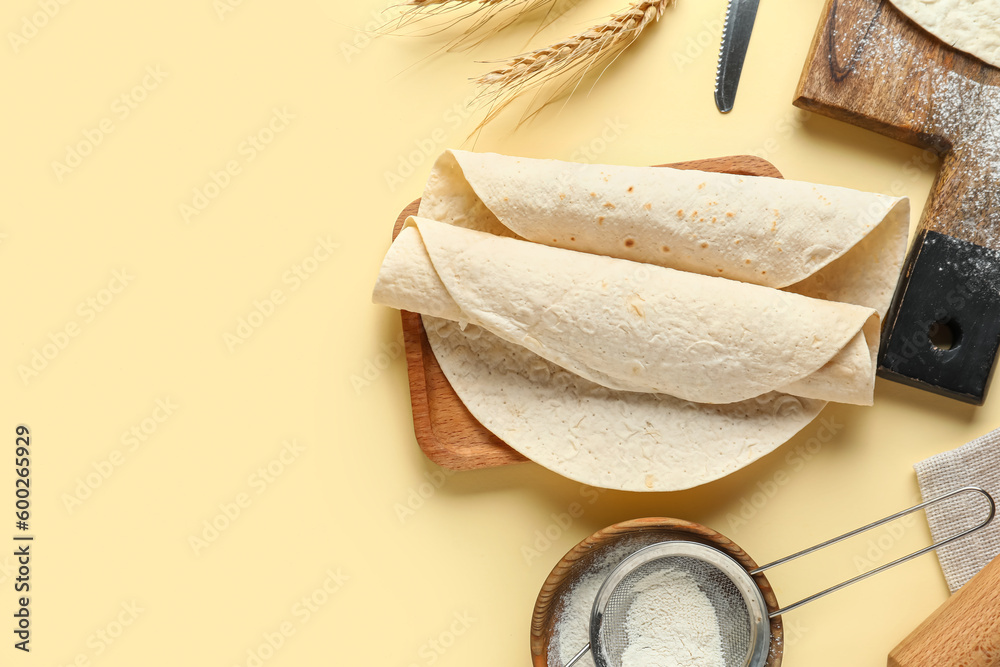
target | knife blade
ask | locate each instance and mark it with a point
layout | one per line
(740, 17)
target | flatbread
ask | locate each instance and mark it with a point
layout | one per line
(604, 438)
(846, 246)
(634, 327)
(972, 26)
(766, 231)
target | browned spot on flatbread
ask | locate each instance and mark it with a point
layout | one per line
(608, 204)
(648, 207)
(629, 243)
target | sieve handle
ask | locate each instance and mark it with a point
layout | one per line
(845, 584)
(576, 658)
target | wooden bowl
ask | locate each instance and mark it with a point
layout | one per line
(641, 532)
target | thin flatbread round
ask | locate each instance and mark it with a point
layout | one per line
(972, 26)
(601, 437)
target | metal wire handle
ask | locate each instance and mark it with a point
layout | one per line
(584, 651)
(921, 552)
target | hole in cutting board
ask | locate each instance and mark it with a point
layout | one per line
(945, 335)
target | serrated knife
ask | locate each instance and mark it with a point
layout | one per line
(740, 17)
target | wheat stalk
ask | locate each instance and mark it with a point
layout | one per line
(584, 50)
(484, 11)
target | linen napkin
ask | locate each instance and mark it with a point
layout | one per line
(974, 464)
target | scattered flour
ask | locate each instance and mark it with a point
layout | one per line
(572, 627)
(959, 107)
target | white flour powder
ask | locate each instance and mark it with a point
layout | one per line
(671, 623)
(572, 628)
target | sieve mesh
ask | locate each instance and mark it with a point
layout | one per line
(743, 641)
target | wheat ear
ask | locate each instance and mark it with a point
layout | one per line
(459, 11)
(584, 50)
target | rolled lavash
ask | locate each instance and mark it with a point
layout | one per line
(841, 245)
(634, 327)
(820, 240)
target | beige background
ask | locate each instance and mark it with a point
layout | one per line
(451, 582)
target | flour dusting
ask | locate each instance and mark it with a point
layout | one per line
(961, 109)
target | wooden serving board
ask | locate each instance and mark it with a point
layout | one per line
(445, 429)
(872, 66)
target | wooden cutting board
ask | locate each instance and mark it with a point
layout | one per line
(445, 429)
(872, 66)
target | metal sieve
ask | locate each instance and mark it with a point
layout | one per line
(740, 610)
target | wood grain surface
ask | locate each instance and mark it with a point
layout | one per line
(963, 632)
(575, 563)
(872, 66)
(445, 429)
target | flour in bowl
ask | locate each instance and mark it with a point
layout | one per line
(672, 623)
